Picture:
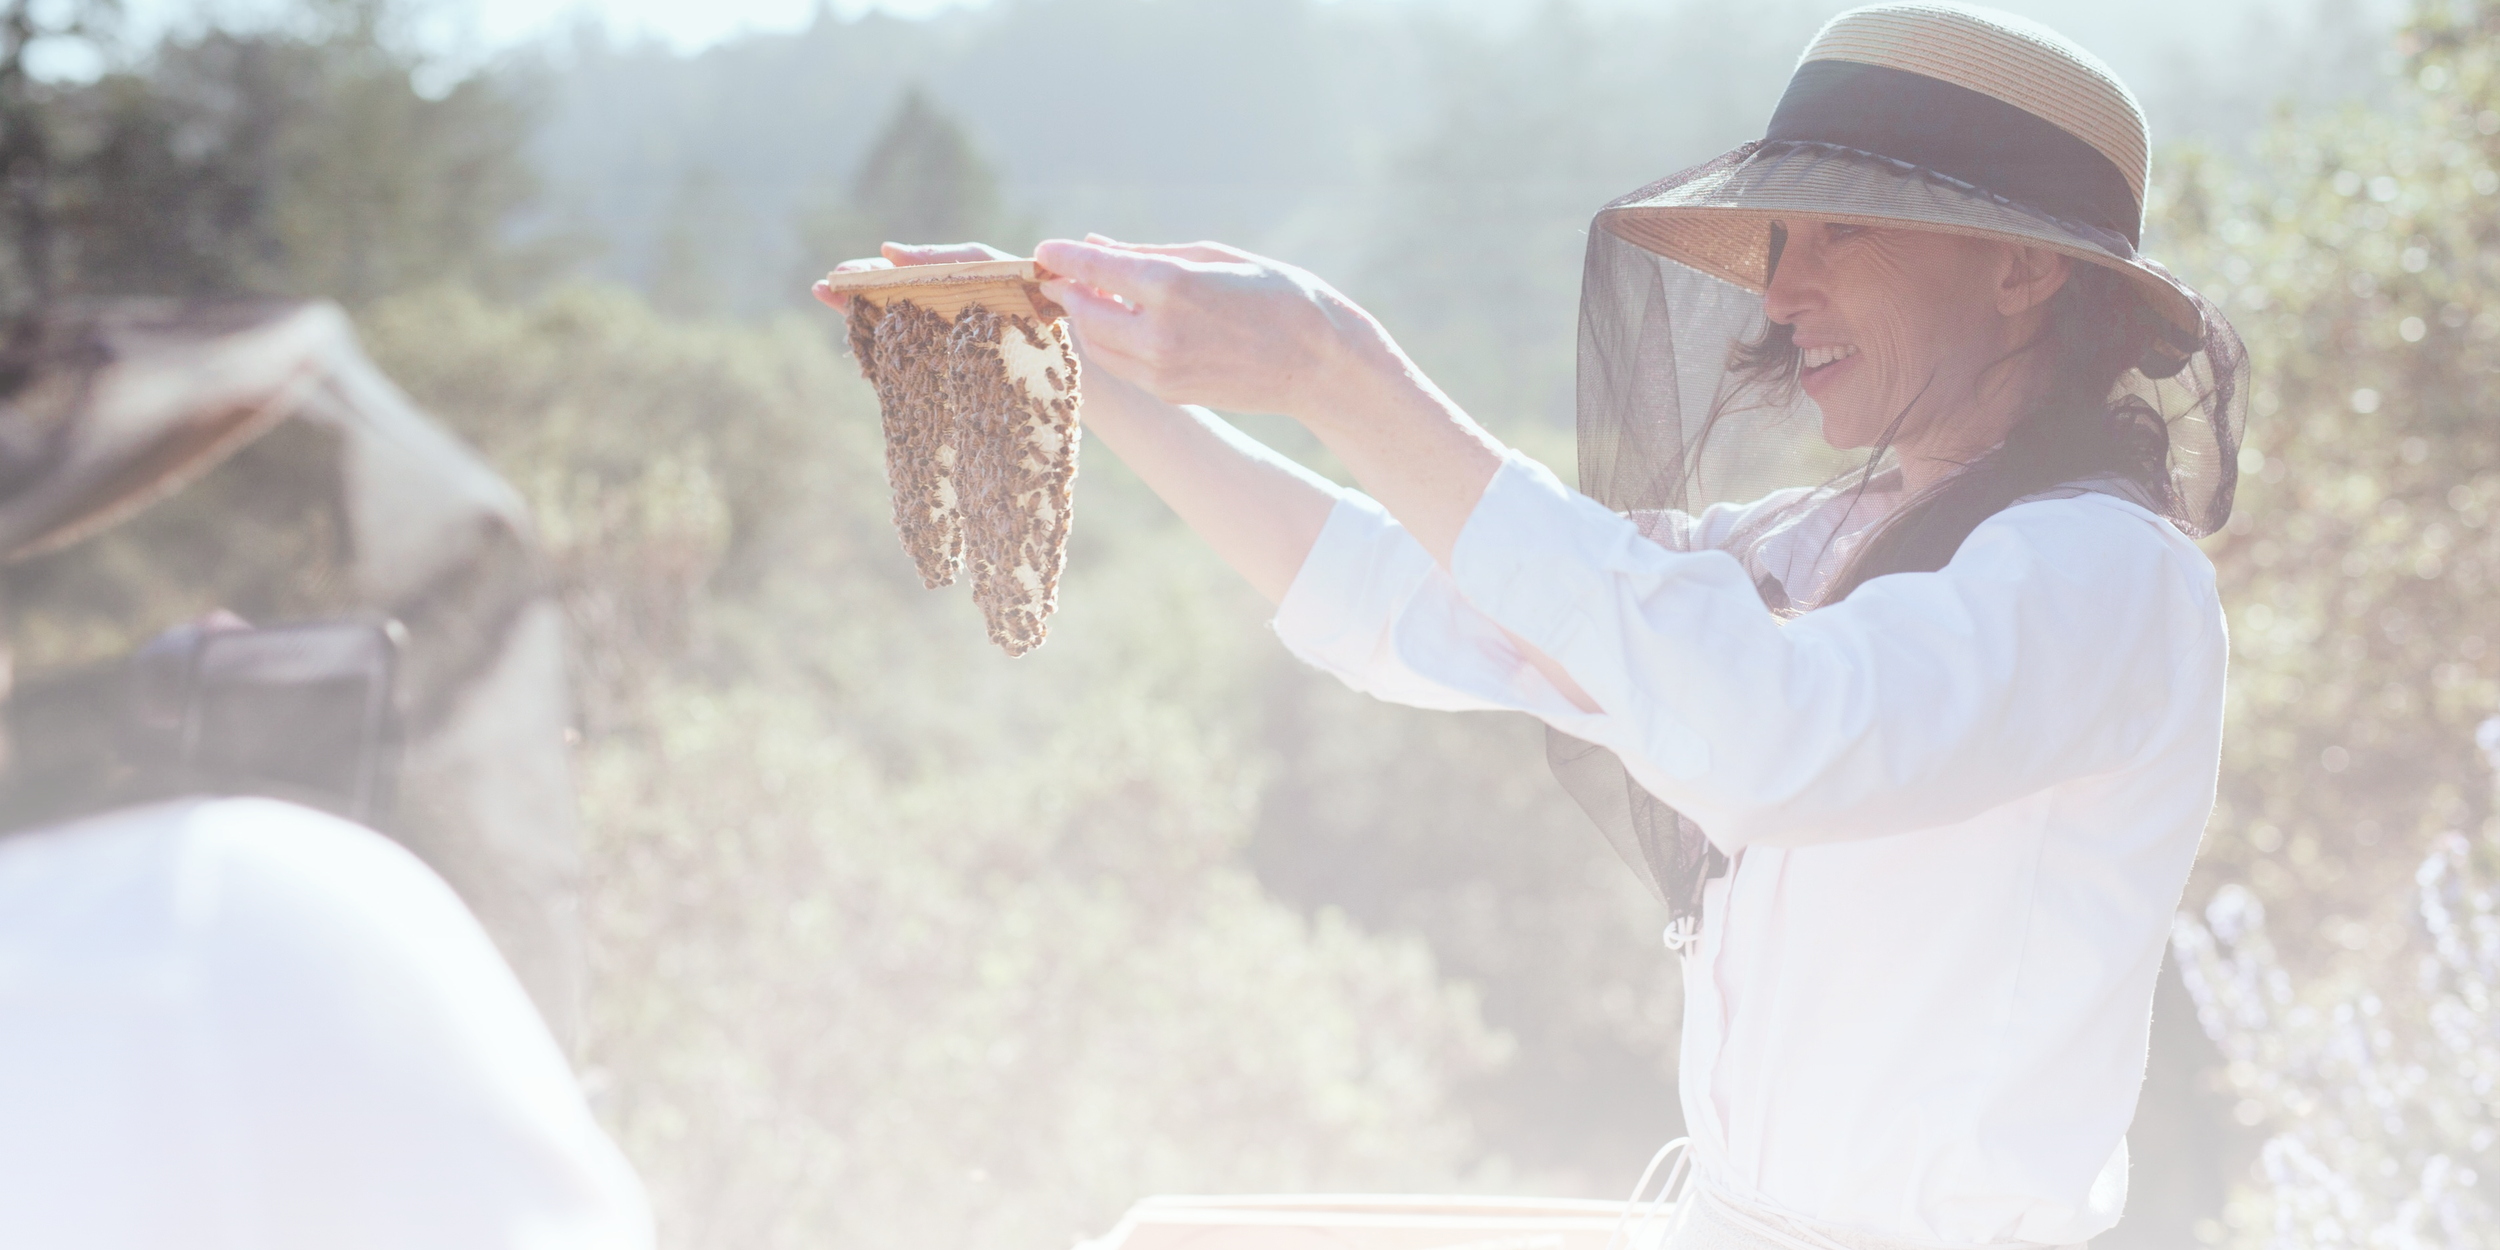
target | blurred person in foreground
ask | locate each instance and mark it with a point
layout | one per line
(229, 1017)
(1878, 644)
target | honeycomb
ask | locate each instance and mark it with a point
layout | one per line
(981, 439)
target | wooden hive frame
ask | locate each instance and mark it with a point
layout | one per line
(1007, 287)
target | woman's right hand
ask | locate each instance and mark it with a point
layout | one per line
(896, 255)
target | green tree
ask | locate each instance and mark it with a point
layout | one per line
(33, 169)
(923, 181)
(2358, 255)
(298, 160)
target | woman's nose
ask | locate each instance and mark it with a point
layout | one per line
(1791, 292)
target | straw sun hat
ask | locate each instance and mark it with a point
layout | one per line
(1935, 116)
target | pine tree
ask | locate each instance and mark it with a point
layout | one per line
(924, 181)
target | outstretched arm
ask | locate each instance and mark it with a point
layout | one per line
(1259, 509)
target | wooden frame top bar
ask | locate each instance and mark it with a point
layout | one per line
(1004, 286)
(915, 275)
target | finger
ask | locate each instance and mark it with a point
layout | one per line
(1087, 305)
(1099, 320)
(831, 298)
(1117, 271)
(1213, 253)
(1100, 357)
(1104, 240)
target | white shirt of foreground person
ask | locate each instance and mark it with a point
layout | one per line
(1962, 806)
(240, 1023)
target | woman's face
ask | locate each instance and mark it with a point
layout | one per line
(1905, 325)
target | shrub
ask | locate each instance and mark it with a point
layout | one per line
(2383, 1095)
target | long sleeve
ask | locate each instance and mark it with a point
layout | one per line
(2044, 652)
(1371, 607)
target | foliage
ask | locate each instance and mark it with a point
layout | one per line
(1449, 828)
(2363, 565)
(30, 161)
(1255, 121)
(302, 161)
(988, 1009)
(2386, 1093)
(2362, 571)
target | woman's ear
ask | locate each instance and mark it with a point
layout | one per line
(2032, 275)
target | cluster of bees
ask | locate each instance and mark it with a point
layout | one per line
(981, 436)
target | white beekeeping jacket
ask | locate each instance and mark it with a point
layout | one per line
(1961, 807)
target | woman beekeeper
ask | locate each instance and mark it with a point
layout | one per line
(1916, 744)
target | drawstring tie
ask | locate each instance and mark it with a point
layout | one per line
(1664, 1213)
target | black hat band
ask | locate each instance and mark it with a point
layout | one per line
(1964, 134)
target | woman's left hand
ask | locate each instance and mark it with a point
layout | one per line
(1203, 323)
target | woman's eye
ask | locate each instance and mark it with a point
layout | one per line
(1834, 231)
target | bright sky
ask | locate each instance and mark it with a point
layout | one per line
(485, 26)
(687, 24)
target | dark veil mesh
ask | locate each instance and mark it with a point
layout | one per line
(1671, 423)
(1655, 342)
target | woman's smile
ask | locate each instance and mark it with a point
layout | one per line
(1819, 366)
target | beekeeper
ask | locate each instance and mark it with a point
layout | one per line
(1877, 642)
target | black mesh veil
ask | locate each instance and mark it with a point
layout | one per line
(1656, 338)
(1690, 420)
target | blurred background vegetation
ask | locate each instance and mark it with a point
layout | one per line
(897, 942)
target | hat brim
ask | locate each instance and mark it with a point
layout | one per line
(1717, 218)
